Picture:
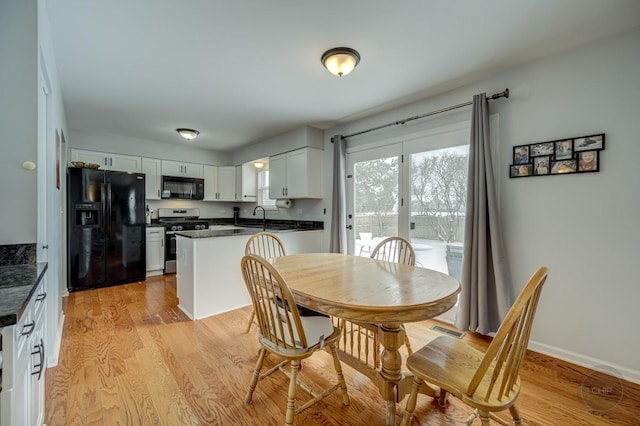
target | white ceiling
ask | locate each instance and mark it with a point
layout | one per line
(245, 70)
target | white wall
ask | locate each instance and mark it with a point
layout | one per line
(582, 226)
(54, 122)
(18, 120)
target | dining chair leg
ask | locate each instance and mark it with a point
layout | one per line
(291, 397)
(485, 418)
(411, 401)
(262, 354)
(515, 414)
(407, 343)
(253, 316)
(442, 398)
(338, 367)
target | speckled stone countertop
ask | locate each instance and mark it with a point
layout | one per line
(17, 284)
(212, 233)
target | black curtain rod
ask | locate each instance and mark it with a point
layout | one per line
(504, 94)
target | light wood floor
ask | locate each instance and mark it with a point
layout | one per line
(129, 356)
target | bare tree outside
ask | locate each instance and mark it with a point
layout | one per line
(377, 190)
(439, 190)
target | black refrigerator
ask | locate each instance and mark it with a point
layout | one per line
(106, 242)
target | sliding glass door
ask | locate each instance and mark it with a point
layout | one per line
(373, 193)
(416, 189)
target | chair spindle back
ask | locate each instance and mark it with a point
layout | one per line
(278, 317)
(394, 249)
(501, 363)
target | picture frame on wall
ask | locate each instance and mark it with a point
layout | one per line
(589, 143)
(557, 157)
(564, 166)
(541, 165)
(588, 161)
(58, 158)
(521, 154)
(521, 170)
(545, 148)
(564, 149)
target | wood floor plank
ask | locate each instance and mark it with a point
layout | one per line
(130, 356)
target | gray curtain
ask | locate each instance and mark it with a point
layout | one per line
(486, 289)
(338, 238)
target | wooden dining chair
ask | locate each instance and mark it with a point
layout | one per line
(487, 382)
(268, 246)
(284, 333)
(394, 249)
(397, 250)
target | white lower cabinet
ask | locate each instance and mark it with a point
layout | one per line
(24, 364)
(155, 250)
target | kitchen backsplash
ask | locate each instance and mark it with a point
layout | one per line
(300, 209)
(17, 254)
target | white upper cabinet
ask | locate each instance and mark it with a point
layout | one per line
(296, 174)
(153, 177)
(178, 168)
(227, 183)
(108, 161)
(247, 183)
(210, 183)
(220, 183)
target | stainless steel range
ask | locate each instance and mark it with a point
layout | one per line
(177, 220)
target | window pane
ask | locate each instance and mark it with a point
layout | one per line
(376, 202)
(438, 205)
(263, 191)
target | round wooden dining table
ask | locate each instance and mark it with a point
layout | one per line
(365, 290)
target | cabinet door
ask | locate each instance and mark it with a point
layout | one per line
(153, 178)
(304, 173)
(297, 177)
(125, 163)
(210, 183)
(249, 183)
(95, 157)
(155, 248)
(277, 176)
(37, 370)
(227, 183)
(21, 392)
(193, 170)
(172, 168)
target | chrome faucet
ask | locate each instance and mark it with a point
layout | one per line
(264, 216)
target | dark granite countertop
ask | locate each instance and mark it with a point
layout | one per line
(212, 233)
(17, 284)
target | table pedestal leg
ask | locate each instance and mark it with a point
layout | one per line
(391, 338)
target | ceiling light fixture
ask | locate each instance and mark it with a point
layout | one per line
(340, 61)
(188, 134)
(258, 164)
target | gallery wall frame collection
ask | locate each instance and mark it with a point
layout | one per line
(558, 157)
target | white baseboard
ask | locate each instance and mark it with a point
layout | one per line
(584, 361)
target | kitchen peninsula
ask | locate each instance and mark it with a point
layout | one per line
(209, 280)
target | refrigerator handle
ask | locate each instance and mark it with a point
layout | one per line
(103, 213)
(108, 212)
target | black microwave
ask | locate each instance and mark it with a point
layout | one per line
(182, 187)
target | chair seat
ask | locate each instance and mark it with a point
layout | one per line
(450, 364)
(316, 328)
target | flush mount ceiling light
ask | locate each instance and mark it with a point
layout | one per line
(340, 61)
(258, 164)
(188, 134)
